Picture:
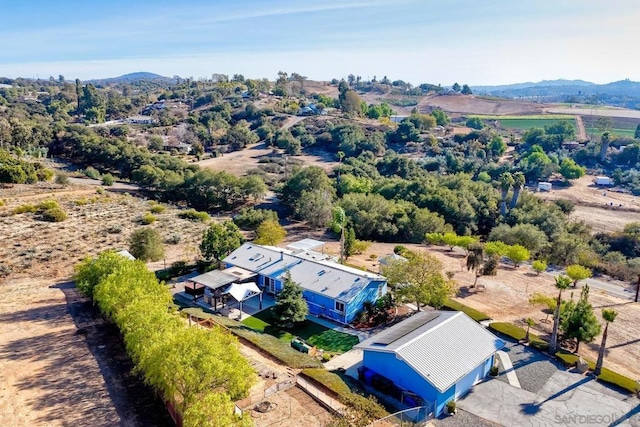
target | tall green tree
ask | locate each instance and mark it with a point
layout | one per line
(519, 181)
(579, 321)
(506, 181)
(577, 272)
(562, 283)
(517, 254)
(475, 258)
(219, 240)
(570, 170)
(609, 315)
(291, 307)
(146, 244)
(419, 280)
(605, 140)
(270, 233)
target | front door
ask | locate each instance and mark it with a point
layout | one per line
(270, 285)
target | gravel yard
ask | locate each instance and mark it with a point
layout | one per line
(532, 367)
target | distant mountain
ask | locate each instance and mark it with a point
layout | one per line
(526, 85)
(137, 77)
(623, 93)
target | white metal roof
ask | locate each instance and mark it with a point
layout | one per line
(388, 259)
(321, 276)
(125, 253)
(443, 347)
(305, 245)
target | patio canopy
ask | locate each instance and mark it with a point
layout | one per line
(243, 291)
(216, 279)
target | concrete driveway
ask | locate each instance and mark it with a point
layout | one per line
(567, 399)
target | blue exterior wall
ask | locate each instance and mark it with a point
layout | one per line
(388, 365)
(323, 306)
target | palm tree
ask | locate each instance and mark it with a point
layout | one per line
(530, 323)
(609, 315)
(518, 183)
(604, 144)
(475, 258)
(506, 181)
(562, 283)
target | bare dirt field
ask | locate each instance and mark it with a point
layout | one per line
(507, 295)
(602, 208)
(470, 104)
(241, 162)
(60, 364)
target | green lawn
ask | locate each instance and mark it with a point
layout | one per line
(312, 332)
(527, 123)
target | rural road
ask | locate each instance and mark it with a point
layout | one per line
(613, 287)
(582, 131)
(115, 186)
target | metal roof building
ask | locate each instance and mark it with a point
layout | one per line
(438, 355)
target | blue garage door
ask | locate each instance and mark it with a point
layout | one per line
(468, 381)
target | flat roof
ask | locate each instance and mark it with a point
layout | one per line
(305, 245)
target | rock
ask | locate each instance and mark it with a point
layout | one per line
(582, 366)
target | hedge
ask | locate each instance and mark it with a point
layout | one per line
(606, 376)
(476, 315)
(518, 333)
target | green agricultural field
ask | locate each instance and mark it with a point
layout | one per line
(526, 124)
(620, 126)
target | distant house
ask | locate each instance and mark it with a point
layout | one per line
(331, 290)
(140, 120)
(571, 145)
(310, 110)
(432, 357)
(180, 147)
(397, 119)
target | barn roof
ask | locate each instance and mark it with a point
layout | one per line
(441, 346)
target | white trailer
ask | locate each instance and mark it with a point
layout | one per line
(544, 186)
(603, 180)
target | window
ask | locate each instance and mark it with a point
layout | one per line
(340, 306)
(380, 287)
(270, 285)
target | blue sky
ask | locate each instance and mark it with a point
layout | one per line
(435, 41)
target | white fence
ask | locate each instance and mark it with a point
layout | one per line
(412, 417)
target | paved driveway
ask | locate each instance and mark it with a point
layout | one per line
(567, 399)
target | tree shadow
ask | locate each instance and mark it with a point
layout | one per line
(66, 378)
(626, 417)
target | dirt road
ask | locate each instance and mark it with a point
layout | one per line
(582, 131)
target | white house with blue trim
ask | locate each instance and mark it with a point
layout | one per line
(332, 290)
(436, 355)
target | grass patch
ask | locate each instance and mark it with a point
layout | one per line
(279, 349)
(312, 332)
(526, 124)
(606, 376)
(476, 315)
(518, 333)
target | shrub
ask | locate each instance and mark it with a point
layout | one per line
(451, 407)
(54, 215)
(1, 203)
(157, 209)
(146, 244)
(62, 179)
(108, 179)
(251, 218)
(494, 371)
(82, 202)
(92, 173)
(174, 239)
(100, 190)
(194, 215)
(25, 208)
(48, 204)
(476, 315)
(147, 219)
(399, 250)
(567, 206)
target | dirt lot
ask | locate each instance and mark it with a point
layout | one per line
(604, 209)
(241, 162)
(605, 112)
(507, 295)
(51, 374)
(470, 104)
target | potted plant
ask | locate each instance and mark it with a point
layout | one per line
(451, 407)
(494, 371)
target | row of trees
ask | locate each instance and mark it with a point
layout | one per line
(17, 171)
(200, 370)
